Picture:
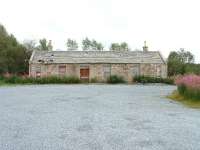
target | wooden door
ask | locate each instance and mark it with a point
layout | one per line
(84, 73)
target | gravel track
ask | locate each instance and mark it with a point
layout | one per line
(95, 117)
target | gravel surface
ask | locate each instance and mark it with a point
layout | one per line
(95, 117)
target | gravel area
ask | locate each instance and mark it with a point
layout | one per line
(95, 117)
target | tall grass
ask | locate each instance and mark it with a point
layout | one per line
(149, 79)
(189, 86)
(42, 80)
(114, 79)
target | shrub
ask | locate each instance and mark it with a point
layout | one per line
(115, 79)
(189, 86)
(148, 79)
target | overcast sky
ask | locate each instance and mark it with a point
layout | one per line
(166, 25)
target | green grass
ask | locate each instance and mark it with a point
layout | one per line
(185, 101)
(2, 83)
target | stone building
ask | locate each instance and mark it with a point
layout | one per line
(97, 65)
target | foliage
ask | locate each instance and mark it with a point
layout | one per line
(43, 80)
(115, 47)
(114, 79)
(44, 45)
(148, 79)
(192, 68)
(13, 56)
(186, 101)
(91, 44)
(96, 46)
(177, 61)
(72, 44)
(189, 86)
(119, 47)
(124, 46)
(86, 44)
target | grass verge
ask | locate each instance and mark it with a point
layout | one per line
(185, 101)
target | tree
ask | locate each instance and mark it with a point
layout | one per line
(115, 47)
(177, 62)
(91, 44)
(72, 44)
(186, 56)
(124, 46)
(86, 44)
(13, 55)
(96, 46)
(119, 47)
(174, 63)
(99, 46)
(44, 45)
(3, 32)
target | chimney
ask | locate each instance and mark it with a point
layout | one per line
(49, 46)
(145, 47)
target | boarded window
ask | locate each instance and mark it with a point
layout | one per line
(135, 70)
(38, 71)
(38, 74)
(107, 71)
(62, 70)
(158, 71)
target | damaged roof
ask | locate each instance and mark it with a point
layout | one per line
(79, 57)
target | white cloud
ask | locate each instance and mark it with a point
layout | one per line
(166, 25)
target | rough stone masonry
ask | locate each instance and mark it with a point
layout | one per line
(98, 65)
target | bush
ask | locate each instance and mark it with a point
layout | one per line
(189, 86)
(43, 80)
(114, 79)
(148, 79)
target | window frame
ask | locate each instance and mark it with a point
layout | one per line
(62, 70)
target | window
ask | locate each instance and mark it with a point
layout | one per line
(106, 71)
(158, 71)
(62, 70)
(38, 71)
(38, 74)
(135, 70)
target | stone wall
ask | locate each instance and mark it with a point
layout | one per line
(101, 72)
(154, 70)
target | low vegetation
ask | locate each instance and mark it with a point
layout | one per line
(185, 101)
(94, 80)
(43, 80)
(148, 79)
(114, 79)
(188, 90)
(189, 86)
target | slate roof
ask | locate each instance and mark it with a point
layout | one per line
(96, 57)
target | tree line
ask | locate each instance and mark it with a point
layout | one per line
(14, 56)
(72, 44)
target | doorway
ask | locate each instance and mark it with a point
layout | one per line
(84, 74)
